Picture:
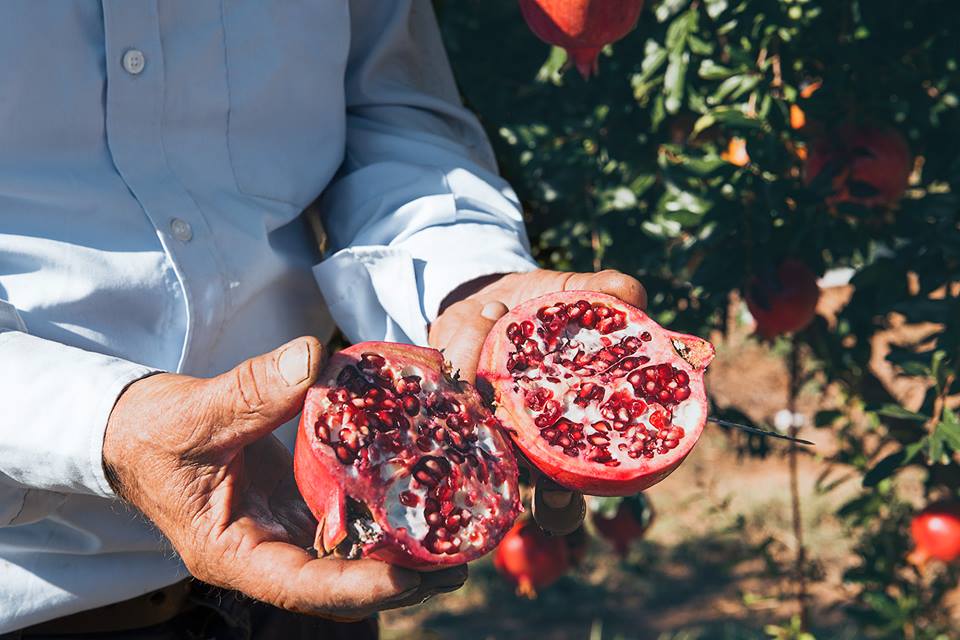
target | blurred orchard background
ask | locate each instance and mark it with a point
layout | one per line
(721, 140)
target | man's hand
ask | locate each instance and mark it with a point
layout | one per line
(198, 458)
(470, 312)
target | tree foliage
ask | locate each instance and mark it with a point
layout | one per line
(636, 170)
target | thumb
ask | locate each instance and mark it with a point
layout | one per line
(465, 327)
(262, 393)
(611, 282)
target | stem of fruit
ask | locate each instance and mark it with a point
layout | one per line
(801, 553)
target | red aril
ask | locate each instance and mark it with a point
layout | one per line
(863, 164)
(632, 518)
(582, 27)
(936, 533)
(783, 301)
(530, 559)
(400, 461)
(598, 396)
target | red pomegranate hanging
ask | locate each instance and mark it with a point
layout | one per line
(865, 164)
(582, 27)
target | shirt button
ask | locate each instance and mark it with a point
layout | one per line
(133, 61)
(181, 230)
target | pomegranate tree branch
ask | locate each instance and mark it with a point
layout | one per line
(794, 383)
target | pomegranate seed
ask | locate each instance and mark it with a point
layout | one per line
(601, 426)
(598, 439)
(411, 405)
(513, 332)
(424, 444)
(344, 455)
(527, 328)
(371, 361)
(431, 505)
(409, 499)
(588, 320)
(681, 394)
(646, 337)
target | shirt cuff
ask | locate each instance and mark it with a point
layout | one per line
(57, 400)
(393, 292)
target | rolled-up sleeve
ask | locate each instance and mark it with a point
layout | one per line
(417, 208)
(56, 400)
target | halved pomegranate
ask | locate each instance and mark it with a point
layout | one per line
(401, 461)
(598, 396)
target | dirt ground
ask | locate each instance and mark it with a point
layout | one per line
(715, 565)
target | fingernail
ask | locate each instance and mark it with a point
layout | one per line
(294, 363)
(493, 310)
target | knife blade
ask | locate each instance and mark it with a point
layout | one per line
(762, 432)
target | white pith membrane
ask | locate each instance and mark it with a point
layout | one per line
(433, 455)
(604, 392)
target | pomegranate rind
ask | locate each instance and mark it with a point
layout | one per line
(936, 533)
(581, 27)
(575, 473)
(326, 484)
(868, 154)
(787, 305)
(530, 559)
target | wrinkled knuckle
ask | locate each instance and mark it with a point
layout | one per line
(247, 388)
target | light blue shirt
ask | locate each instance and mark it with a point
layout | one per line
(155, 158)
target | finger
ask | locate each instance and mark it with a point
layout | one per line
(611, 282)
(556, 509)
(434, 583)
(261, 393)
(289, 577)
(467, 324)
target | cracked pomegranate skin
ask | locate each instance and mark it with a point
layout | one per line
(597, 395)
(400, 461)
(582, 27)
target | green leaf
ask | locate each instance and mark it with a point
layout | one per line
(826, 418)
(710, 70)
(884, 469)
(937, 370)
(949, 430)
(733, 117)
(935, 447)
(896, 411)
(674, 80)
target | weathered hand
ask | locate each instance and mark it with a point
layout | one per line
(198, 458)
(467, 317)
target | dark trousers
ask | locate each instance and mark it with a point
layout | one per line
(215, 614)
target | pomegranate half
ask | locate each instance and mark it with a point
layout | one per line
(598, 396)
(400, 461)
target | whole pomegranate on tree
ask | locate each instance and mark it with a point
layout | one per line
(582, 27)
(530, 559)
(863, 164)
(401, 461)
(628, 521)
(936, 533)
(598, 396)
(783, 301)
